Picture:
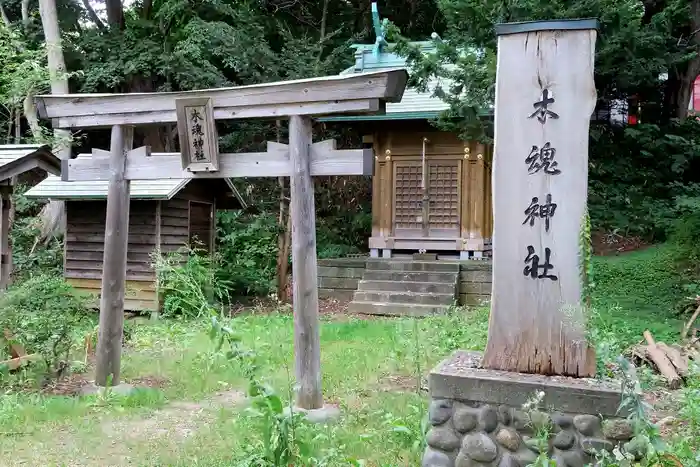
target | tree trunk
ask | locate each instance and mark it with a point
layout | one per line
(284, 237)
(5, 19)
(57, 67)
(92, 15)
(155, 136)
(18, 128)
(31, 116)
(680, 81)
(59, 85)
(25, 13)
(10, 123)
(115, 14)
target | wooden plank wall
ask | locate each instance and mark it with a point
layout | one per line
(175, 214)
(84, 250)
(200, 223)
(150, 223)
(174, 224)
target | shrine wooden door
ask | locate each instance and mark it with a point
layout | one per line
(427, 206)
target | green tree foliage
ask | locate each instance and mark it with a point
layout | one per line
(24, 73)
(640, 174)
(637, 173)
(638, 44)
(29, 258)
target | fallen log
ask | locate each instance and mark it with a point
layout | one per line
(662, 362)
(17, 362)
(677, 359)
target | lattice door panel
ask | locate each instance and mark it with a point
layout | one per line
(408, 211)
(443, 191)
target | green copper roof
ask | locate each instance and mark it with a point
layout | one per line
(379, 56)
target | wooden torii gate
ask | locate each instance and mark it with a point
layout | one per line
(195, 113)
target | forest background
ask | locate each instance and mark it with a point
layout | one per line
(644, 178)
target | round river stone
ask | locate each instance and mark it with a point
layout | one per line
(564, 440)
(440, 411)
(464, 420)
(463, 460)
(532, 444)
(619, 430)
(587, 424)
(562, 420)
(433, 458)
(489, 418)
(442, 437)
(638, 447)
(508, 438)
(479, 447)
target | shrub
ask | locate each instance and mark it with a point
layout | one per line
(188, 282)
(248, 248)
(685, 233)
(44, 314)
(30, 259)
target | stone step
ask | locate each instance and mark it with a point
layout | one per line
(395, 309)
(407, 286)
(410, 276)
(405, 297)
(415, 266)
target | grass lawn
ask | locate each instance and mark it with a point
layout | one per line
(369, 369)
(194, 411)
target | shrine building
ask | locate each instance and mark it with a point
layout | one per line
(431, 190)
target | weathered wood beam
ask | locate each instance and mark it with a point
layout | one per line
(23, 165)
(363, 92)
(307, 347)
(5, 252)
(360, 106)
(109, 341)
(325, 160)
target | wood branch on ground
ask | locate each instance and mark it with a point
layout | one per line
(670, 361)
(689, 324)
(18, 362)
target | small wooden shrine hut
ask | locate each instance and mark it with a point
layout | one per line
(163, 215)
(431, 190)
(19, 163)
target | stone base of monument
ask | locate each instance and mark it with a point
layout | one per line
(478, 417)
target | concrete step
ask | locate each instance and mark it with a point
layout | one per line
(410, 276)
(408, 286)
(414, 266)
(395, 309)
(405, 297)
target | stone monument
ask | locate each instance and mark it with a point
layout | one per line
(537, 346)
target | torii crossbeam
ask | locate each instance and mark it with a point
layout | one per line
(195, 113)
